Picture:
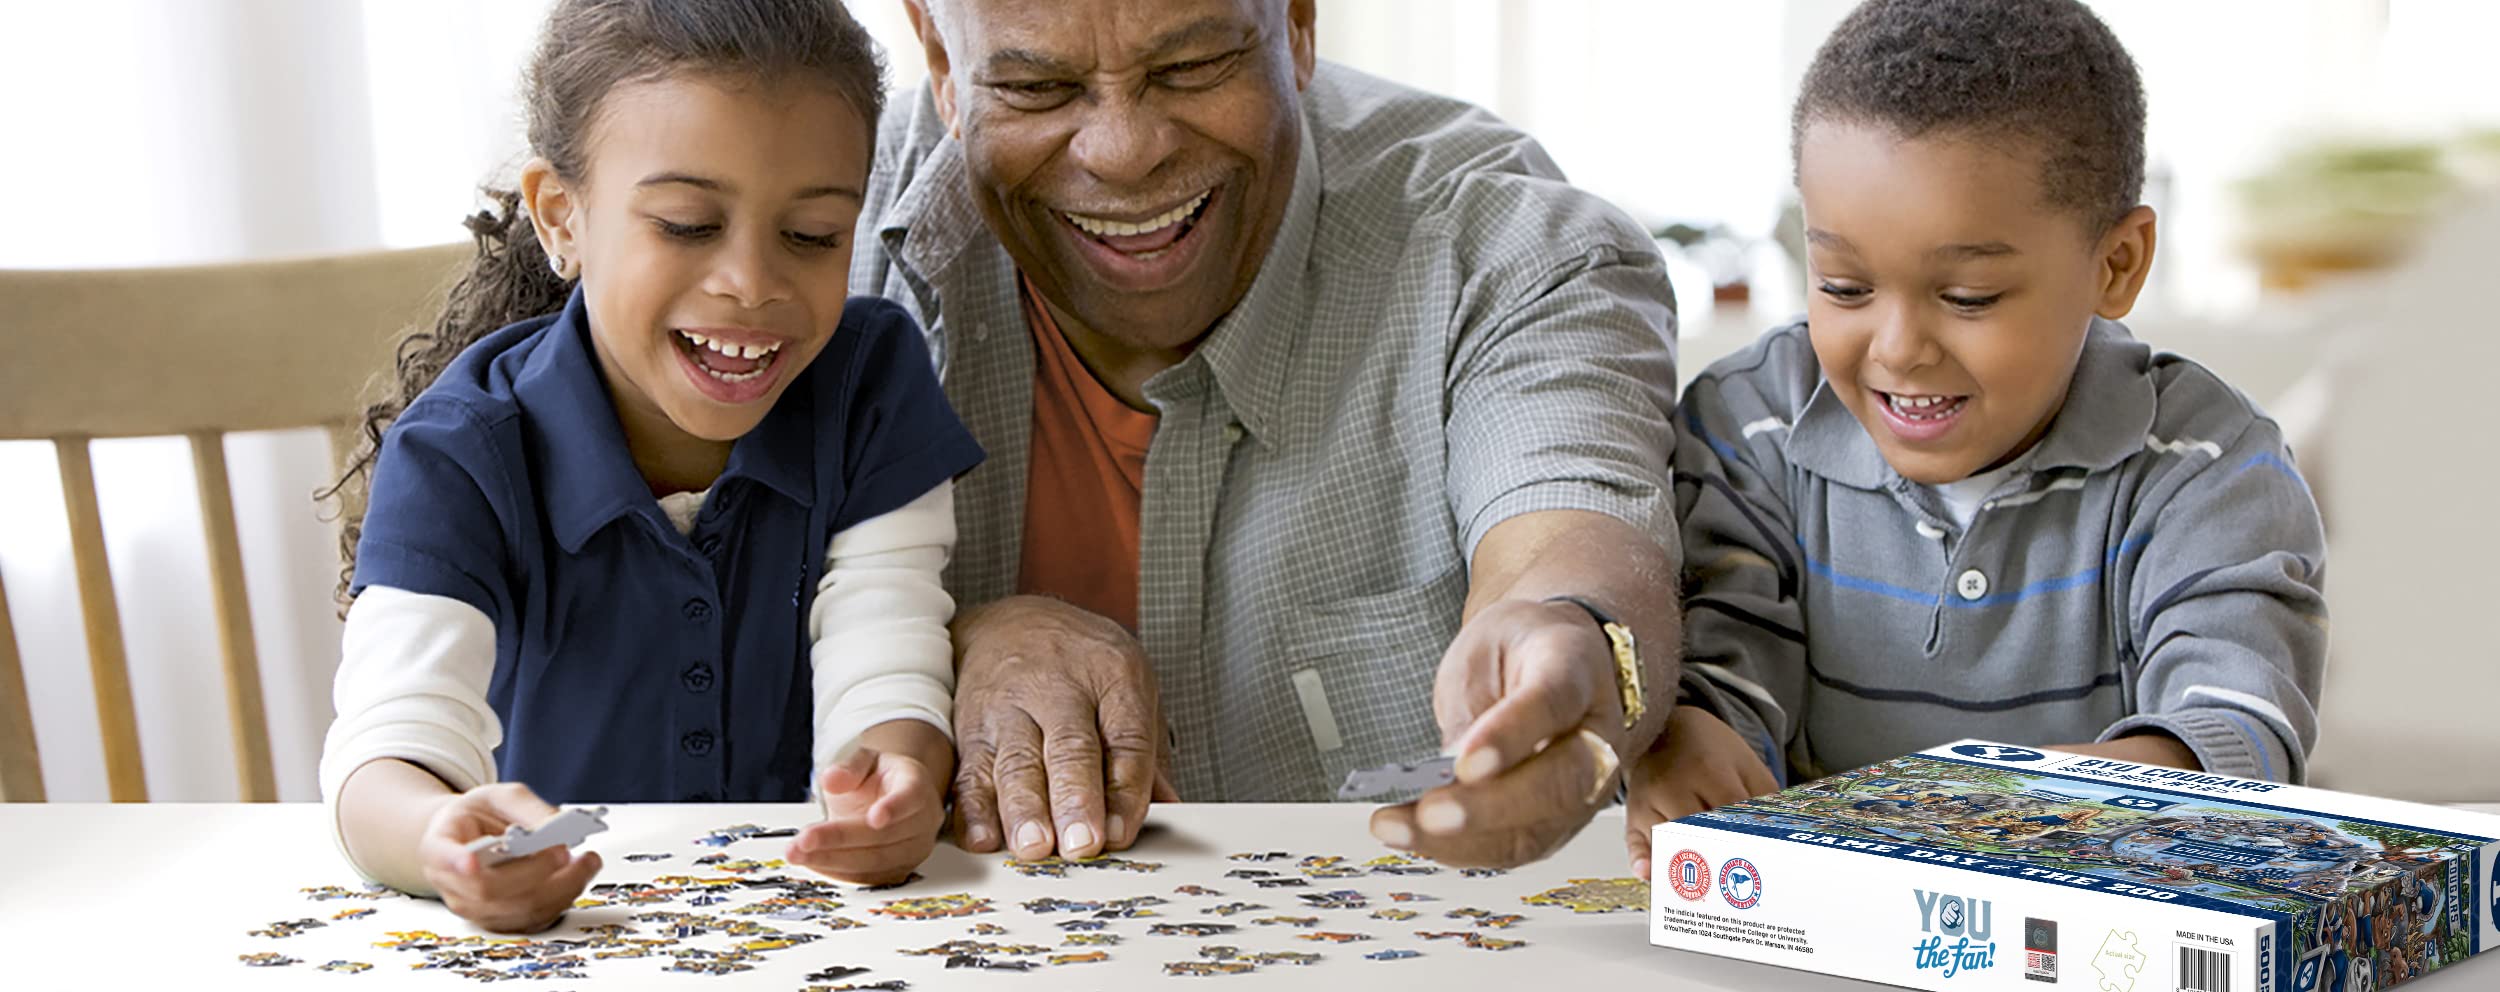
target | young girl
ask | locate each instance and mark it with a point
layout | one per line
(673, 532)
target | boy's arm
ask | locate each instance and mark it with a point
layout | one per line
(880, 651)
(1744, 632)
(2229, 612)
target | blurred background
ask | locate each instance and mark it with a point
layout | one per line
(2318, 166)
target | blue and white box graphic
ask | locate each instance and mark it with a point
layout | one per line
(1989, 866)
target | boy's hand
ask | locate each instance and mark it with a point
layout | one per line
(1700, 763)
(524, 895)
(882, 813)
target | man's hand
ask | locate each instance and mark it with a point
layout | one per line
(1700, 763)
(524, 895)
(1058, 731)
(1526, 698)
(884, 802)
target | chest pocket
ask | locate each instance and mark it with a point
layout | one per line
(1360, 671)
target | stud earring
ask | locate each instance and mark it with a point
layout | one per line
(555, 263)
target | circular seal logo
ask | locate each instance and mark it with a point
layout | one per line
(1689, 875)
(1740, 883)
(1998, 752)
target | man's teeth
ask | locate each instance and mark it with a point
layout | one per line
(1101, 228)
(728, 350)
(1922, 407)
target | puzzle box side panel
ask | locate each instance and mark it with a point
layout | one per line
(1904, 920)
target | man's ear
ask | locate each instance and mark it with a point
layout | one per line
(1301, 19)
(924, 23)
(555, 213)
(2123, 259)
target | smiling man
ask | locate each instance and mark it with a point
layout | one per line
(1328, 427)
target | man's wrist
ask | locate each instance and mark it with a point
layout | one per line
(1623, 650)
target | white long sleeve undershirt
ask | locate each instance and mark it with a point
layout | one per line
(414, 668)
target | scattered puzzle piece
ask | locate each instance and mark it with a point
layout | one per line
(935, 907)
(1087, 957)
(1200, 969)
(1191, 929)
(1596, 895)
(1400, 915)
(347, 967)
(267, 959)
(1394, 954)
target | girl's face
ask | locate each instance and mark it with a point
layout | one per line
(1947, 299)
(712, 232)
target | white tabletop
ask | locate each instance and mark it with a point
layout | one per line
(164, 894)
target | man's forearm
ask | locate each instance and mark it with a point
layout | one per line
(1537, 556)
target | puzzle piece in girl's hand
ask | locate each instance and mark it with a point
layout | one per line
(1400, 776)
(565, 829)
(1596, 895)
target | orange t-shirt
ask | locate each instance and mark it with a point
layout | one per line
(1085, 483)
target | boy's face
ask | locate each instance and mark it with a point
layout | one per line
(1946, 298)
(713, 235)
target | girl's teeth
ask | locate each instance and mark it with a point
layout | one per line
(1922, 407)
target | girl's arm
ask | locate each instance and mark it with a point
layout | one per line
(413, 727)
(881, 652)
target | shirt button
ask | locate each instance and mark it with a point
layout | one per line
(1232, 433)
(697, 677)
(698, 743)
(1972, 585)
(697, 610)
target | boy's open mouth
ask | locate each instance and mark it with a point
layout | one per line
(1923, 409)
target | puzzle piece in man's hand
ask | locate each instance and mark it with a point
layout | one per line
(565, 829)
(1399, 776)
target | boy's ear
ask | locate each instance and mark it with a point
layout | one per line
(924, 24)
(555, 211)
(2124, 258)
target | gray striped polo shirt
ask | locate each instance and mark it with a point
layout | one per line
(2157, 563)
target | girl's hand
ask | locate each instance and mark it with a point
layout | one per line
(1699, 764)
(882, 813)
(524, 895)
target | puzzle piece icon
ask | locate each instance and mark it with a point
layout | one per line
(2120, 962)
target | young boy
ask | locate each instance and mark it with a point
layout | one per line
(1960, 500)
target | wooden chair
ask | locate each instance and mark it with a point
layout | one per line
(198, 352)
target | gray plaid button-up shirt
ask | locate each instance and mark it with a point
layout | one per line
(1444, 335)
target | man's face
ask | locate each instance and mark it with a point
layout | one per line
(1134, 156)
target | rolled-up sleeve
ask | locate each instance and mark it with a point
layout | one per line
(1563, 401)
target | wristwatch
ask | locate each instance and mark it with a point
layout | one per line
(1628, 677)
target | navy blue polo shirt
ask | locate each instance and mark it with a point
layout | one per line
(633, 663)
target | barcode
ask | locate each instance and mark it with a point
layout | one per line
(2204, 971)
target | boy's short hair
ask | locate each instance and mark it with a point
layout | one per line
(2043, 71)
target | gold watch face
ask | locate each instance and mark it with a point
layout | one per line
(1628, 674)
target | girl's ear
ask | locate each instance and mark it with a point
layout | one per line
(2125, 258)
(555, 213)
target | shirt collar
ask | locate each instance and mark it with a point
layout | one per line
(585, 473)
(1250, 349)
(2109, 409)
